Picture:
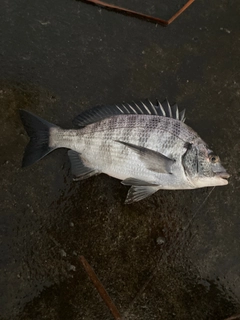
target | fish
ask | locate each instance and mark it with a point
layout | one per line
(146, 145)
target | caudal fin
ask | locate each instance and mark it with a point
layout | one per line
(39, 132)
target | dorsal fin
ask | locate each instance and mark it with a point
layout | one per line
(141, 107)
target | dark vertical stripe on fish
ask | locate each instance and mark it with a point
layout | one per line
(146, 131)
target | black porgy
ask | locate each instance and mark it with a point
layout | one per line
(147, 146)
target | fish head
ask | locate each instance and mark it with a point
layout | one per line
(203, 168)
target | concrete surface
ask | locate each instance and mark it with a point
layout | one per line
(175, 255)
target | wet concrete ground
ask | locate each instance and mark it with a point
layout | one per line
(175, 255)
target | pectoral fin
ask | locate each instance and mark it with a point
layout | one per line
(137, 193)
(80, 168)
(154, 161)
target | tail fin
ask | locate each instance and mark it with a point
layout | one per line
(38, 131)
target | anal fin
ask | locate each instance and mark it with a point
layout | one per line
(79, 167)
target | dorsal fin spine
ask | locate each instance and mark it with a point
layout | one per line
(146, 107)
(169, 109)
(182, 115)
(138, 108)
(177, 113)
(125, 108)
(161, 107)
(119, 109)
(154, 109)
(134, 111)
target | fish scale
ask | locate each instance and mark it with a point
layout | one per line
(122, 159)
(157, 133)
(147, 146)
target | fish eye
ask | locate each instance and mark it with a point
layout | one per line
(213, 158)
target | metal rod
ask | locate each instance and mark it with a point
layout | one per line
(100, 288)
(139, 15)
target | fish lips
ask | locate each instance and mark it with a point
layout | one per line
(223, 176)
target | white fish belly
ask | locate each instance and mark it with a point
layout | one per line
(122, 163)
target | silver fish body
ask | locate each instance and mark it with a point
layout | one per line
(147, 147)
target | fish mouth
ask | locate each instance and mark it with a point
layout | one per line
(223, 175)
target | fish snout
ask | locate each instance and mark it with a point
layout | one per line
(223, 175)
